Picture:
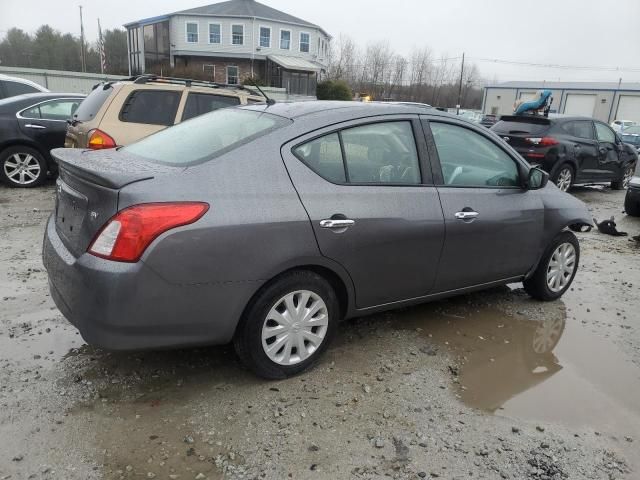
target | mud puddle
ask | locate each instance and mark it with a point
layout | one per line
(537, 366)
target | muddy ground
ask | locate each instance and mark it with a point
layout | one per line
(489, 385)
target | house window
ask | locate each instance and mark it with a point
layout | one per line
(237, 34)
(304, 42)
(285, 39)
(265, 37)
(192, 32)
(232, 75)
(215, 33)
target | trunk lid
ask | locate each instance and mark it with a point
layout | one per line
(87, 190)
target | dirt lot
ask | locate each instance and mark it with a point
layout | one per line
(490, 385)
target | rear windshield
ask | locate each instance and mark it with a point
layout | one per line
(514, 128)
(94, 101)
(205, 137)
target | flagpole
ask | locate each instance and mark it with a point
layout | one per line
(83, 59)
(101, 49)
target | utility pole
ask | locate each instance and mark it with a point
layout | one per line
(83, 59)
(460, 86)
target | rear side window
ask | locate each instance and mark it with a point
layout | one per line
(580, 129)
(514, 128)
(55, 110)
(206, 137)
(90, 106)
(199, 103)
(376, 153)
(154, 107)
(14, 88)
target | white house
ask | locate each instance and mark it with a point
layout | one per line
(229, 41)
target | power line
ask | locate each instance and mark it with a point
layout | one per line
(556, 65)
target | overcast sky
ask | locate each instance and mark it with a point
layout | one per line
(583, 33)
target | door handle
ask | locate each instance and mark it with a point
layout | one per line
(337, 223)
(466, 215)
(34, 125)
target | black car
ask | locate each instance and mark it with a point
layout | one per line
(489, 120)
(572, 149)
(631, 135)
(30, 126)
(632, 200)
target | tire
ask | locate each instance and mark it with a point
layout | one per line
(267, 307)
(538, 286)
(622, 182)
(631, 206)
(22, 167)
(564, 177)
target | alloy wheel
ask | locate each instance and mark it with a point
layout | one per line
(547, 334)
(564, 179)
(295, 327)
(628, 175)
(561, 267)
(22, 168)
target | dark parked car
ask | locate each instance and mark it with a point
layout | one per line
(631, 135)
(489, 120)
(632, 199)
(572, 149)
(30, 126)
(13, 86)
(267, 225)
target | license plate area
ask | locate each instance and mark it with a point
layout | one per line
(71, 209)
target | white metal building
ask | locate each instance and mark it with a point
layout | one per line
(604, 101)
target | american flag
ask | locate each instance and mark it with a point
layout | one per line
(103, 57)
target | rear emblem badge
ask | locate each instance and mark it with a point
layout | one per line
(94, 215)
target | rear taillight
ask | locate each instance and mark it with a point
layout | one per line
(542, 141)
(98, 140)
(127, 235)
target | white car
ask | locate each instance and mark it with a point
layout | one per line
(12, 86)
(619, 125)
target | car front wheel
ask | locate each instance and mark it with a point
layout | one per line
(22, 167)
(557, 268)
(288, 326)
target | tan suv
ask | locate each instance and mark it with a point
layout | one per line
(120, 113)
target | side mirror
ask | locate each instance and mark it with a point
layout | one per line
(537, 179)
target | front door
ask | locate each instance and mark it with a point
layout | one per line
(609, 162)
(367, 190)
(493, 226)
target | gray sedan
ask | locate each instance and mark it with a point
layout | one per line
(266, 225)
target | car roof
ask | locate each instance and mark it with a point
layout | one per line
(294, 110)
(21, 101)
(23, 80)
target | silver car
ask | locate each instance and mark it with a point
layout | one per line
(266, 225)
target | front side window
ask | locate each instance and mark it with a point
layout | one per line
(285, 39)
(155, 107)
(200, 103)
(382, 153)
(604, 133)
(469, 159)
(304, 42)
(265, 37)
(192, 32)
(215, 33)
(237, 34)
(61, 110)
(206, 137)
(232, 75)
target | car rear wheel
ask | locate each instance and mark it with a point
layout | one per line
(632, 205)
(623, 182)
(288, 325)
(563, 177)
(22, 167)
(556, 270)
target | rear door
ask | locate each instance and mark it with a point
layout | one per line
(609, 161)
(367, 189)
(493, 226)
(46, 122)
(580, 135)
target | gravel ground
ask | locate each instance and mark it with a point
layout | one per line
(489, 385)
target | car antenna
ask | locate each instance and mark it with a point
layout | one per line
(270, 101)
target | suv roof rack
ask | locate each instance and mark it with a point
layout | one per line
(188, 82)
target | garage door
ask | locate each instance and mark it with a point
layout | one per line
(629, 108)
(577, 104)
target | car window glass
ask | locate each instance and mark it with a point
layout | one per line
(14, 88)
(33, 112)
(323, 156)
(93, 102)
(199, 103)
(469, 159)
(155, 107)
(381, 153)
(59, 109)
(605, 134)
(581, 129)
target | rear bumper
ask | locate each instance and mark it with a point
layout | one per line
(124, 306)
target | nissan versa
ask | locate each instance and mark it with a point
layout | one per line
(266, 225)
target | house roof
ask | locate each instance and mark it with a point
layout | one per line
(569, 85)
(246, 9)
(295, 63)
